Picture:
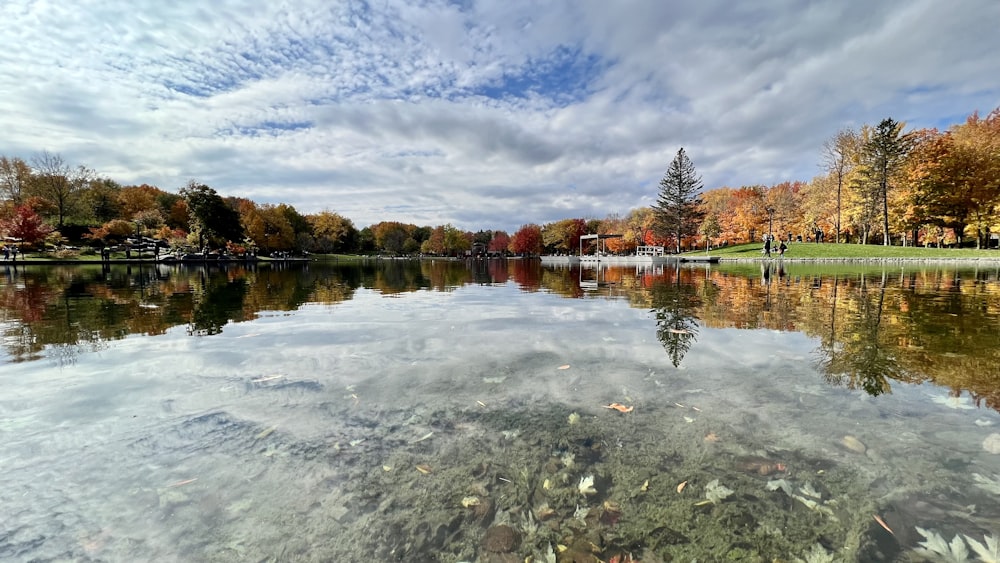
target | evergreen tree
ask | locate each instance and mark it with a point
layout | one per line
(885, 149)
(678, 207)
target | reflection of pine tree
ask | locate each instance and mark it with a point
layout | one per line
(859, 359)
(675, 305)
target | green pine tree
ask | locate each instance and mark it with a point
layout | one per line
(678, 207)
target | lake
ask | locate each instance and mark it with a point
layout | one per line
(496, 411)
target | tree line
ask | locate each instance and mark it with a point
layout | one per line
(879, 184)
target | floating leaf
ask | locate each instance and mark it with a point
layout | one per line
(563, 367)
(681, 485)
(424, 468)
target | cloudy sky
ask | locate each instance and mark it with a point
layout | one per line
(482, 114)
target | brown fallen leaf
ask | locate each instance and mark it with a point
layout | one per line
(882, 523)
(424, 468)
(619, 407)
(711, 437)
(563, 367)
(681, 485)
(182, 483)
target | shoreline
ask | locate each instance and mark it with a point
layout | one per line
(138, 261)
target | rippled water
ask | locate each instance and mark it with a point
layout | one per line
(420, 411)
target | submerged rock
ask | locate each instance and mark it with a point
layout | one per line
(501, 539)
(992, 443)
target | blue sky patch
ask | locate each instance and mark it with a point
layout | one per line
(564, 77)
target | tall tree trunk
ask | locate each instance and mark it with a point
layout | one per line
(840, 183)
(885, 208)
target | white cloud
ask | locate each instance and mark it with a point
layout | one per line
(483, 114)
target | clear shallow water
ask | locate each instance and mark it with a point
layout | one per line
(410, 411)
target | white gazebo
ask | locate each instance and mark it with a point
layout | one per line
(602, 248)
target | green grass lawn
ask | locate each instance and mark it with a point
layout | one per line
(808, 250)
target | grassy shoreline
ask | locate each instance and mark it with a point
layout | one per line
(797, 252)
(813, 252)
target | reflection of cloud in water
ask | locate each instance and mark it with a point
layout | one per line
(362, 381)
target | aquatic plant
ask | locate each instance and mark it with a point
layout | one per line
(936, 548)
(715, 492)
(549, 556)
(817, 554)
(529, 525)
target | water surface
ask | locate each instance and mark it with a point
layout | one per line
(411, 411)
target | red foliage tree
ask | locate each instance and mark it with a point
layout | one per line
(500, 242)
(527, 240)
(24, 224)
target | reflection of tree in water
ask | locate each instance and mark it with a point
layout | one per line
(675, 304)
(221, 302)
(859, 359)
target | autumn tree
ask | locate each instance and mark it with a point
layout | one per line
(266, 226)
(719, 203)
(563, 236)
(15, 174)
(456, 241)
(710, 229)
(113, 231)
(977, 143)
(390, 236)
(820, 212)
(527, 240)
(956, 176)
(178, 216)
(25, 225)
(615, 224)
(332, 233)
(499, 243)
(749, 214)
(100, 200)
(435, 242)
(784, 201)
(839, 155)
(137, 199)
(58, 183)
(641, 223)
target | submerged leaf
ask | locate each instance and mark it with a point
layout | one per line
(936, 547)
(990, 484)
(715, 492)
(989, 553)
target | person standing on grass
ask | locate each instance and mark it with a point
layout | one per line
(767, 245)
